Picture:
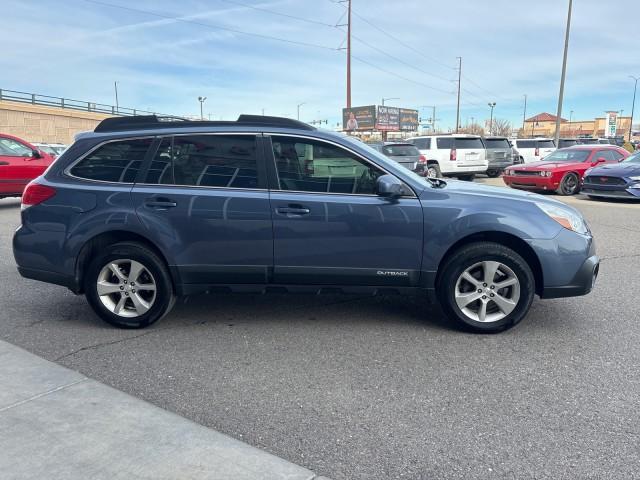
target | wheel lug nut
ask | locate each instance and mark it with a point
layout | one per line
(121, 287)
(492, 287)
(484, 297)
(484, 284)
(133, 291)
(479, 290)
(126, 294)
(492, 295)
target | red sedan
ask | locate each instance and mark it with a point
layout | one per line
(20, 162)
(562, 170)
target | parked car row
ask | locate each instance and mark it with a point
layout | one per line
(20, 162)
(563, 170)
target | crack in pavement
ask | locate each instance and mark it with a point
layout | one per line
(615, 226)
(614, 257)
(105, 344)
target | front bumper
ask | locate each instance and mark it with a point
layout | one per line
(581, 284)
(611, 191)
(524, 182)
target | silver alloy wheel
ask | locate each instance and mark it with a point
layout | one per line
(487, 291)
(126, 288)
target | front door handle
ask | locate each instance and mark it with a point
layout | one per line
(293, 211)
(160, 203)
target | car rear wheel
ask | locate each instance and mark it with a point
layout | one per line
(433, 171)
(486, 287)
(466, 178)
(569, 185)
(493, 173)
(129, 286)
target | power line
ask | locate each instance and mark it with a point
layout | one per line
(273, 12)
(209, 25)
(400, 76)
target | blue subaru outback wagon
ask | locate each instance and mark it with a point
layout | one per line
(145, 209)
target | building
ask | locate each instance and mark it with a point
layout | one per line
(544, 125)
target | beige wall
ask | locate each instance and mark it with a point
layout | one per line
(37, 123)
(594, 128)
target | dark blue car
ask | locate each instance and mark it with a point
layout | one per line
(145, 209)
(619, 180)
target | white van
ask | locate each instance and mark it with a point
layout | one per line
(534, 149)
(453, 155)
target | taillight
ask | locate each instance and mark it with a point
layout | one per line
(537, 153)
(422, 159)
(35, 194)
(453, 155)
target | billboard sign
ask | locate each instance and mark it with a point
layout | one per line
(408, 120)
(611, 124)
(388, 118)
(359, 118)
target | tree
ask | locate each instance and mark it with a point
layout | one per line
(473, 129)
(501, 127)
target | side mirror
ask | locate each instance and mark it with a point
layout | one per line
(36, 154)
(600, 160)
(388, 186)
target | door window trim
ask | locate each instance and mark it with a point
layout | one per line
(275, 179)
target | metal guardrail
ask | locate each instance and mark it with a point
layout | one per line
(81, 105)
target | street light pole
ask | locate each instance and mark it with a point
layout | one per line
(389, 98)
(633, 106)
(492, 105)
(564, 73)
(115, 86)
(299, 105)
(459, 80)
(201, 100)
(524, 114)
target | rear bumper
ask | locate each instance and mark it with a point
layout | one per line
(461, 171)
(531, 183)
(581, 284)
(499, 164)
(49, 277)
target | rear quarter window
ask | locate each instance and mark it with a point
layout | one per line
(526, 144)
(422, 143)
(546, 144)
(445, 142)
(117, 161)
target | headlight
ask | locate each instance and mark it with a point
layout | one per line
(567, 218)
(589, 170)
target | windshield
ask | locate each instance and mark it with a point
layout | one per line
(497, 143)
(568, 156)
(635, 158)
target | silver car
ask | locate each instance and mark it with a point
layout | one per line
(406, 154)
(499, 155)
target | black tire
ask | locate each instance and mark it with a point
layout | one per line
(472, 254)
(164, 298)
(569, 185)
(466, 178)
(493, 173)
(435, 169)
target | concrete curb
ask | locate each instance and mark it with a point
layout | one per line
(57, 423)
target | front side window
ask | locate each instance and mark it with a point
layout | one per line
(313, 166)
(12, 148)
(117, 161)
(227, 161)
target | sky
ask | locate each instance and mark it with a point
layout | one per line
(164, 54)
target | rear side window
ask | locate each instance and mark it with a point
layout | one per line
(445, 142)
(117, 161)
(468, 143)
(497, 143)
(546, 144)
(422, 143)
(526, 144)
(206, 161)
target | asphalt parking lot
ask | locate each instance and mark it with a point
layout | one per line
(370, 388)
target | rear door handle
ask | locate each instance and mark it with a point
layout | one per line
(160, 203)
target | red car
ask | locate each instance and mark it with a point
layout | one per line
(20, 162)
(562, 170)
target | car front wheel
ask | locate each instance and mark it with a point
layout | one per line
(129, 286)
(569, 185)
(486, 287)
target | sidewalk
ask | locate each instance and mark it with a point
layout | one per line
(58, 424)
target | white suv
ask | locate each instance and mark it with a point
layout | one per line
(533, 149)
(453, 155)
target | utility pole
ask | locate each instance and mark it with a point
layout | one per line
(389, 98)
(433, 120)
(348, 53)
(524, 114)
(201, 100)
(564, 73)
(115, 86)
(459, 79)
(633, 105)
(492, 105)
